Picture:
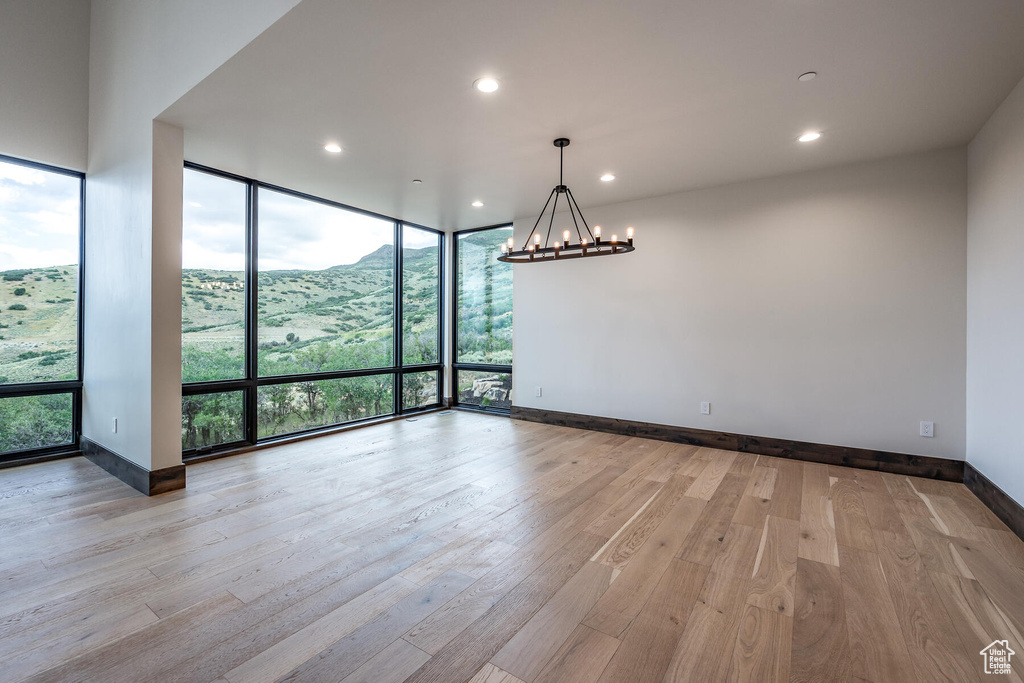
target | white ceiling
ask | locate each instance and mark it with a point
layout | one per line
(668, 95)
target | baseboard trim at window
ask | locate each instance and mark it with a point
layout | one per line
(1005, 508)
(880, 461)
(293, 438)
(33, 459)
(149, 482)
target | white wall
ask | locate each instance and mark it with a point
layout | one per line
(995, 297)
(826, 307)
(44, 81)
(144, 55)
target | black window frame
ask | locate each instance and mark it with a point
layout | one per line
(249, 385)
(44, 388)
(454, 333)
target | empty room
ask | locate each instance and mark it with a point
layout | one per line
(511, 342)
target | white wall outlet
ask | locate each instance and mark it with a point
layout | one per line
(113, 425)
(540, 392)
(705, 408)
(927, 428)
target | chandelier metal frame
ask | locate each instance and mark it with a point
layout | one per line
(590, 245)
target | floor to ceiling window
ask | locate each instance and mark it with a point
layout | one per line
(300, 314)
(482, 339)
(41, 249)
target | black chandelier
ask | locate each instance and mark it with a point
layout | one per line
(590, 244)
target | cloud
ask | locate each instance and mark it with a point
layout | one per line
(39, 218)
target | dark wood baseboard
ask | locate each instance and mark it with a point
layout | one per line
(139, 478)
(1004, 507)
(882, 461)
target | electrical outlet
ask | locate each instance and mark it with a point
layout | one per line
(927, 428)
(705, 408)
(113, 425)
(540, 392)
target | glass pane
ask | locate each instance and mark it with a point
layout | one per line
(210, 419)
(485, 389)
(421, 296)
(212, 278)
(284, 408)
(419, 389)
(35, 422)
(326, 287)
(40, 214)
(484, 299)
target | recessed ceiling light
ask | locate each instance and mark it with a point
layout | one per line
(808, 76)
(810, 136)
(486, 84)
(333, 148)
(478, 203)
(608, 177)
(417, 181)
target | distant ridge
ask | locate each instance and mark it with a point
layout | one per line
(384, 257)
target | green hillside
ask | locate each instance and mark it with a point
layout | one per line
(338, 318)
(38, 324)
(310, 321)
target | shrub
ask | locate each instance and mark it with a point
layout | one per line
(16, 275)
(17, 307)
(290, 337)
(19, 291)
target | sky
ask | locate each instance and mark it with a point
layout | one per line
(294, 233)
(39, 218)
(39, 223)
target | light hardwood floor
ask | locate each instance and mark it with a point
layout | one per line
(460, 547)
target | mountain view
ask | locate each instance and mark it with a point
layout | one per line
(337, 318)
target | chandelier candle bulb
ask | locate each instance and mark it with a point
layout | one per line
(504, 248)
(511, 243)
(629, 235)
(565, 237)
(536, 238)
(615, 238)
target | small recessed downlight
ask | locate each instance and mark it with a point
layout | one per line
(478, 203)
(608, 177)
(485, 84)
(333, 148)
(417, 181)
(809, 136)
(808, 76)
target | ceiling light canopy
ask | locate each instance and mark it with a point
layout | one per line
(486, 84)
(807, 76)
(333, 148)
(809, 136)
(590, 242)
(608, 177)
(478, 204)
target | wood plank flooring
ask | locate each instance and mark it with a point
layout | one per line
(463, 547)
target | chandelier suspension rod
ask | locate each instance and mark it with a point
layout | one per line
(551, 222)
(572, 199)
(534, 231)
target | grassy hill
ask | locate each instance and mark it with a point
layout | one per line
(38, 324)
(310, 320)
